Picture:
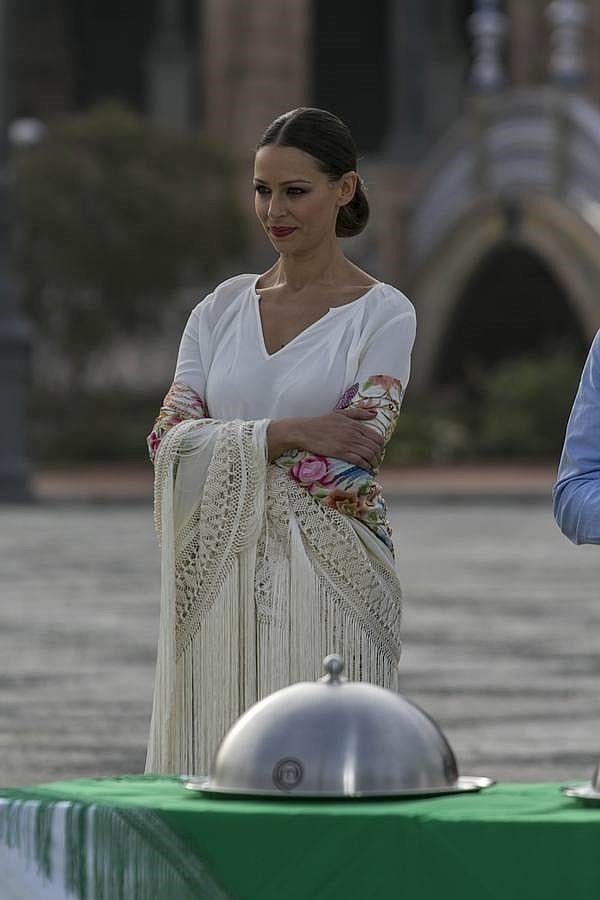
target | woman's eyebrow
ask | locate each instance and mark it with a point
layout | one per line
(291, 181)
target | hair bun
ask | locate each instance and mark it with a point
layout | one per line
(353, 218)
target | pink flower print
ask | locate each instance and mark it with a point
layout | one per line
(384, 381)
(184, 401)
(347, 396)
(311, 470)
(153, 441)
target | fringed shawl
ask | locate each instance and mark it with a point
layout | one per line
(260, 581)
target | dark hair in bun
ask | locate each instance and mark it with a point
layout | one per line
(327, 139)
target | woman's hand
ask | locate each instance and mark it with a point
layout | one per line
(343, 434)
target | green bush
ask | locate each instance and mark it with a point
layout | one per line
(430, 430)
(114, 216)
(517, 410)
(526, 404)
(79, 426)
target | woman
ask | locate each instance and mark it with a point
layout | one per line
(276, 548)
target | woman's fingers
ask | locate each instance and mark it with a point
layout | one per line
(357, 412)
(363, 441)
(368, 455)
(370, 435)
(348, 436)
(373, 443)
(360, 415)
(363, 462)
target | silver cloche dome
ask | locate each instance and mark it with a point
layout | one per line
(334, 738)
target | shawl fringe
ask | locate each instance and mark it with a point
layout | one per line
(259, 583)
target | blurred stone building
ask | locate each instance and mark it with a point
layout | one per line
(478, 122)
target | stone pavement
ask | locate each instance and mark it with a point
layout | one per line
(500, 638)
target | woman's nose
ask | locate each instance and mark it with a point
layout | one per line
(276, 206)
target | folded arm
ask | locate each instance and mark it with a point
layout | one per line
(337, 481)
(334, 457)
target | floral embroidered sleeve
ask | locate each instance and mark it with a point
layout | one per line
(180, 403)
(339, 485)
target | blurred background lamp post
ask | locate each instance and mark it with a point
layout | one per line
(488, 27)
(567, 60)
(15, 340)
(169, 69)
(407, 138)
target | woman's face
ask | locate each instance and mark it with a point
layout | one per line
(295, 202)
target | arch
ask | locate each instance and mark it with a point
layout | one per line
(518, 170)
(511, 305)
(557, 236)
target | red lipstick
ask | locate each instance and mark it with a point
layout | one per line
(280, 232)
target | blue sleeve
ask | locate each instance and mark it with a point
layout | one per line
(576, 493)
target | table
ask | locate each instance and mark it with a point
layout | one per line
(145, 838)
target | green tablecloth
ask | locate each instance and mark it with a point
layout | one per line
(508, 842)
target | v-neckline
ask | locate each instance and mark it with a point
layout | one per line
(332, 309)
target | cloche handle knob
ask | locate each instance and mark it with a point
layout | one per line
(334, 666)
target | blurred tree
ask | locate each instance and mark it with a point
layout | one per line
(526, 403)
(114, 215)
(517, 409)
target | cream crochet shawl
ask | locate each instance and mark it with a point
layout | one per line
(259, 582)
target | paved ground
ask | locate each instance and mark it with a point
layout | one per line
(502, 625)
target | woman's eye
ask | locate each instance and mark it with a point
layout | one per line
(263, 190)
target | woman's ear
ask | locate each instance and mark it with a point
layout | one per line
(347, 188)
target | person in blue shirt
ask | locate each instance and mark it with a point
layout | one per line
(576, 493)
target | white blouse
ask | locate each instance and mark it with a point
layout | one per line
(223, 357)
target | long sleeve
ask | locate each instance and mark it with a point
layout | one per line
(380, 382)
(190, 369)
(185, 398)
(576, 493)
(383, 372)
